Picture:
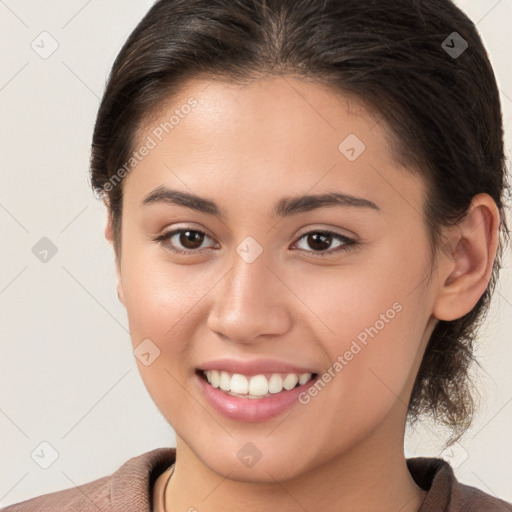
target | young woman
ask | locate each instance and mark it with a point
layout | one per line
(305, 200)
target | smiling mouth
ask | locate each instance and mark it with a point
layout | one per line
(263, 385)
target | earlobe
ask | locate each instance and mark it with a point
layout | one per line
(109, 235)
(466, 268)
(120, 294)
(109, 232)
(120, 291)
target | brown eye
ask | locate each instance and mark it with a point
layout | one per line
(320, 241)
(183, 241)
(191, 239)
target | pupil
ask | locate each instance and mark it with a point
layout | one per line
(314, 239)
(189, 238)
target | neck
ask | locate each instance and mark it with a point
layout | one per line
(371, 476)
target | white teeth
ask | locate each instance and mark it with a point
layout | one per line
(304, 378)
(290, 381)
(225, 381)
(214, 378)
(275, 384)
(239, 384)
(255, 386)
(258, 385)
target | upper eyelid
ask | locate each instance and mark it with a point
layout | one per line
(330, 231)
(168, 235)
(301, 233)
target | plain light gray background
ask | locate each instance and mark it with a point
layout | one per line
(67, 373)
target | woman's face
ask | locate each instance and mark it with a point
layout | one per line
(259, 280)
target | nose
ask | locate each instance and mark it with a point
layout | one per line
(250, 302)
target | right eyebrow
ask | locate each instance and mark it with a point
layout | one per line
(292, 205)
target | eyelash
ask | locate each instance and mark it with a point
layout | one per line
(348, 243)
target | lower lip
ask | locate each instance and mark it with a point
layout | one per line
(251, 410)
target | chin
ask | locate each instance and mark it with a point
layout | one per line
(268, 471)
(240, 460)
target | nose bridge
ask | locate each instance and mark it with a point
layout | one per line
(248, 303)
(249, 272)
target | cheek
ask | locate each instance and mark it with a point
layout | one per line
(371, 321)
(160, 300)
(159, 296)
(347, 301)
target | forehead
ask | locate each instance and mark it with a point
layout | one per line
(262, 109)
(268, 135)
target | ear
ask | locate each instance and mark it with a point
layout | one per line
(109, 235)
(466, 265)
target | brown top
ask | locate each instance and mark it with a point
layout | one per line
(129, 489)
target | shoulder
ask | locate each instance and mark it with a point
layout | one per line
(127, 489)
(475, 500)
(83, 497)
(446, 494)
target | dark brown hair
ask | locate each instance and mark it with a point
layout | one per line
(399, 57)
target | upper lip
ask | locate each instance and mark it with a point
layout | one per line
(254, 367)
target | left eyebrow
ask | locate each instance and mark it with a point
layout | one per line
(286, 206)
(291, 205)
